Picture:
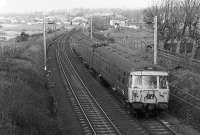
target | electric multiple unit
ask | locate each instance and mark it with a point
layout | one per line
(142, 87)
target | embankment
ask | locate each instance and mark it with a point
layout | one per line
(25, 101)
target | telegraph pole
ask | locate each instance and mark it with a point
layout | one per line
(155, 41)
(91, 28)
(44, 41)
(66, 15)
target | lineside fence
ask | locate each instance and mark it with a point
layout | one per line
(172, 60)
(133, 44)
(166, 58)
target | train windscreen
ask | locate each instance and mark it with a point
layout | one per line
(148, 82)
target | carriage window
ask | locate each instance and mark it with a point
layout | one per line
(138, 81)
(163, 82)
(149, 82)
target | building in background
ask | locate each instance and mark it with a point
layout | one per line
(2, 36)
(118, 23)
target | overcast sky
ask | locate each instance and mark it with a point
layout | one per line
(7, 6)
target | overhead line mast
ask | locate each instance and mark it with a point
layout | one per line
(155, 41)
(44, 42)
(91, 36)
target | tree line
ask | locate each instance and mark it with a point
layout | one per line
(178, 24)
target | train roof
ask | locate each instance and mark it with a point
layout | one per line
(128, 59)
(150, 72)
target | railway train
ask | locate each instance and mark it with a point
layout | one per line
(142, 85)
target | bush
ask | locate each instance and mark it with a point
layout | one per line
(29, 119)
(22, 37)
(25, 107)
(24, 99)
(111, 40)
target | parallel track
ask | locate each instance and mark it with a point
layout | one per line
(180, 95)
(176, 57)
(92, 117)
(156, 126)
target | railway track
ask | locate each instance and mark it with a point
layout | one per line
(186, 98)
(176, 57)
(92, 117)
(178, 93)
(157, 126)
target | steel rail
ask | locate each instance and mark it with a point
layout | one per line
(91, 103)
(90, 123)
(82, 82)
(69, 84)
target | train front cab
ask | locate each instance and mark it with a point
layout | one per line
(148, 90)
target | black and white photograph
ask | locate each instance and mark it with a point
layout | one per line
(99, 67)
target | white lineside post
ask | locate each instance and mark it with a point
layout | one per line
(91, 28)
(155, 41)
(65, 24)
(44, 41)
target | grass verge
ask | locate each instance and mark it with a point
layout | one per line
(25, 102)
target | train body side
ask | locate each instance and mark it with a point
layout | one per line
(115, 75)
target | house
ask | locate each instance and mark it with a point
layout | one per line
(79, 20)
(118, 23)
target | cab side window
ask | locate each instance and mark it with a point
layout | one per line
(138, 82)
(163, 82)
(130, 81)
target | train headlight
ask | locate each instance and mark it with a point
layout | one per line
(165, 92)
(161, 94)
(164, 95)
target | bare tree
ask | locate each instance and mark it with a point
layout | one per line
(177, 21)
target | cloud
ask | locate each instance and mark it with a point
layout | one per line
(2, 3)
(7, 6)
